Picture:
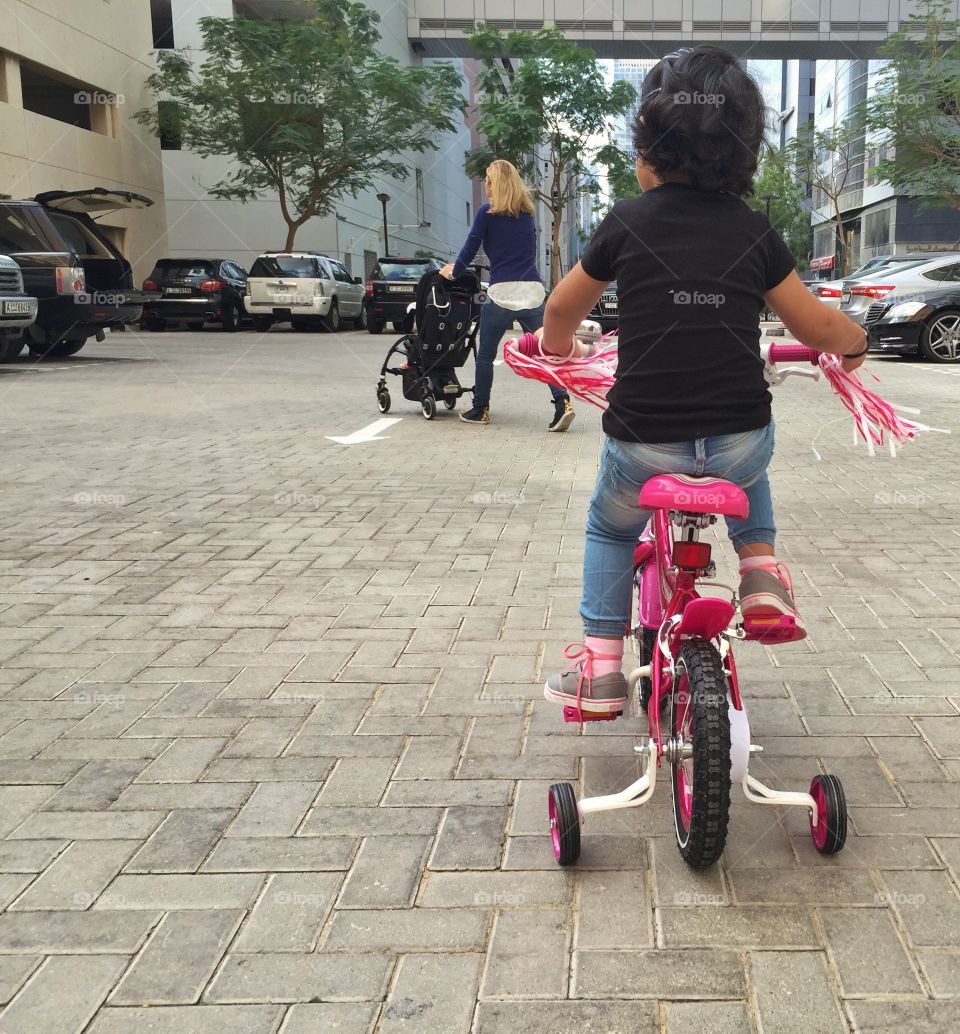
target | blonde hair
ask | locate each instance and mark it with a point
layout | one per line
(507, 192)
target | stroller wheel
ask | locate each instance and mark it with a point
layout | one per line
(450, 403)
(428, 406)
(383, 400)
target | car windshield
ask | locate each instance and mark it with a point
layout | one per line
(19, 233)
(284, 265)
(178, 270)
(403, 270)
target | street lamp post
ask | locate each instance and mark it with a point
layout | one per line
(383, 199)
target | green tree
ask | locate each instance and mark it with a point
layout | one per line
(789, 208)
(830, 160)
(307, 109)
(544, 106)
(914, 115)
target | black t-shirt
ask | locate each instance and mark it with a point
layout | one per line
(691, 269)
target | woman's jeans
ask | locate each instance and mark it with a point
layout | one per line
(615, 521)
(495, 321)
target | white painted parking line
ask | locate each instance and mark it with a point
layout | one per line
(370, 433)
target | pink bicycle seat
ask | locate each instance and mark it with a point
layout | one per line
(694, 495)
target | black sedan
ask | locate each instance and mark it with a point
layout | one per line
(925, 323)
(195, 291)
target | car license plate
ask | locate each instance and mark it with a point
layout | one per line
(610, 306)
(401, 290)
(845, 297)
(178, 290)
(16, 308)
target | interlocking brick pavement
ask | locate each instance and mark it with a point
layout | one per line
(273, 750)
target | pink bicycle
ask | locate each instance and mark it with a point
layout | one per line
(688, 677)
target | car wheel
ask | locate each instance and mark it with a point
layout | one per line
(10, 349)
(231, 318)
(940, 337)
(374, 326)
(261, 324)
(331, 322)
(58, 350)
(361, 323)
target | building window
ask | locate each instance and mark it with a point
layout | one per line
(76, 104)
(419, 179)
(876, 230)
(161, 15)
(369, 263)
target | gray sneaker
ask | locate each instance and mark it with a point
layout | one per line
(768, 607)
(604, 693)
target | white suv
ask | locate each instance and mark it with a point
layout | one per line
(310, 290)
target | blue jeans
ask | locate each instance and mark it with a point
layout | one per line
(495, 321)
(615, 522)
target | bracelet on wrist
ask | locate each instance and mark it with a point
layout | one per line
(855, 355)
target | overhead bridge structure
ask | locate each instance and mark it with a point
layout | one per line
(652, 28)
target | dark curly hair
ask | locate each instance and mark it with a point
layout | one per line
(701, 118)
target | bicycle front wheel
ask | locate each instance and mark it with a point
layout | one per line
(700, 773)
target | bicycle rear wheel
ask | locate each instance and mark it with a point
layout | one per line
(700, 774)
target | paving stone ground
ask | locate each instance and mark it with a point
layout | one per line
(273, 749)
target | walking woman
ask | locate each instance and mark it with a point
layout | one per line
(505, 228)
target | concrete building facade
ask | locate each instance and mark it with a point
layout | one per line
(71, 77)
(429, 211)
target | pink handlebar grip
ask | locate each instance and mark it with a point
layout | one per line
(792, 354)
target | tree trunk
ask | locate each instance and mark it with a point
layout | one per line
(555, 248)
(291, 235)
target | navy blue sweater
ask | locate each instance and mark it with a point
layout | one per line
(510, 243)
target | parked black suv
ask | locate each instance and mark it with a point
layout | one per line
(195, 291)
(82, 282)
(607, 310)
(391, 288)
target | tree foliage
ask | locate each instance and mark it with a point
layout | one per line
(544, 106)
(914, 115)
(307, 109)
(789, 207)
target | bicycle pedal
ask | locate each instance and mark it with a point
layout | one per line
(572, 714)
(451, 389)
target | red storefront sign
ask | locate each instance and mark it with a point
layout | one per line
(826, 262)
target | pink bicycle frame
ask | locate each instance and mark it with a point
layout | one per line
(665, 592)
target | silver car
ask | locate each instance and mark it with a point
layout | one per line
(858, 295)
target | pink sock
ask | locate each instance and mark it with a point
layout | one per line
(765, 563)
(602, 648)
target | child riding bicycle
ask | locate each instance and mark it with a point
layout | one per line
(694, 267)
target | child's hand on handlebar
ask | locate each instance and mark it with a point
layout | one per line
(447, 271)
(575, 350)
(849, 365)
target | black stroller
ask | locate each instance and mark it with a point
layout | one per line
(447, 317)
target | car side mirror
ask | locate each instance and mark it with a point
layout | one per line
(358, 279)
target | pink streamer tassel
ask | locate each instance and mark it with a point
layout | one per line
(876, 421)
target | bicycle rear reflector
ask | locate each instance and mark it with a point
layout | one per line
(692, 555)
